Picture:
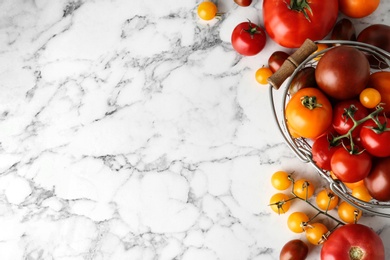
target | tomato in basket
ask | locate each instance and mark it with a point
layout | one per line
(309, 113)
(381, 81)
(378, 181)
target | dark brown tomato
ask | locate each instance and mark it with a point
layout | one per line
(294, 250)
(379, 36)
(276, 60)
(243, 2)
(305, 78)
(344, 30)
(378, 181)
(343, 72)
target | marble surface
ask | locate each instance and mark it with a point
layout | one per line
(133, 130)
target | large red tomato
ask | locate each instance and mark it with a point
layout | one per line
(290, 23)
(353, 241)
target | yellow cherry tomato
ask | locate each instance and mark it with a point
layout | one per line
(315, 233)
(348, 213)
(280, 203)
(370, 97)
(320, 47)
(303, 189)
(297, 222)
(280, 180)
(327, 200)
(263, 74)
(361, 192)
(207, 10)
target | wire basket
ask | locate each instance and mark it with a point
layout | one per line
(301, 58)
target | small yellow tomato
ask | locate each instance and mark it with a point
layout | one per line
(263, 74)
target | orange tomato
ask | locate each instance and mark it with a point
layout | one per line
(358, 8)
(381, 81)
(309, 113)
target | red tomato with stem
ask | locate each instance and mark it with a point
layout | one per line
(290, 23)
(353, 241)
(342, 112)
(322, 151)
(348, 166)
(248, 39)
(375, 136)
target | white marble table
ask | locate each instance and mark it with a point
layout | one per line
(133, 130)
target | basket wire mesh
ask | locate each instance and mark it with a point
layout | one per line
(301, 146)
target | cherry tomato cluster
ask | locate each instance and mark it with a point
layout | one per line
(324, 201)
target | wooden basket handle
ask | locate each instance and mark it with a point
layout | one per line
(291, 63)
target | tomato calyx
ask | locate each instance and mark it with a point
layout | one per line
(380, 127)
(300, 6)
(310, 102)
(252, 29)
(356, 253)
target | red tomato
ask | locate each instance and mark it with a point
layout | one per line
(276, 60)
(322, 152)
(290, 23)
(344, 30)
(248, 39)
(378, 181)
(353, 241)
(243, 2)
(349, 167)
(341, 122)
(376, 139)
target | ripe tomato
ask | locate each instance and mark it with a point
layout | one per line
(281, 180)
(309, 113)
(290, 23)
(361, 193)
(344, 30)
(248, 38)
(327, 200)
(315, 233)
(294, 249)
(376, 139)
(207, 10)
(305, 78)
(343, 72)
(353, 241)
(378, 181)
(303, 189)
(370, 97)
(350, 167)
(280, 203)
(243, 2)
(322, 152)
(358, 8)
(276, 60)
(381, 81)
(297, 222)
(348, 213)
(262, 75)
(342, 122)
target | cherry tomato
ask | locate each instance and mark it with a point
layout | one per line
(353, 185)
(295, 249)
(281, 180)
(350, 167)
(276, 60)
(322, 152)
(353, 241)
(207, 10)
(315, 233)
(370, 97)
(290, 23)
(327, 200)
(303, 189)
(377, 35)
(305, 78)
(378, 181)
(320, 47)
(309, 113)
(376, 139)
(297, 222)
(361, 193)
(358, 8)
(248, 38)
(262, 75)
(280, 203)
(243, 3)
(381, 81)
(344, 30)
(342, 122)
(348, 213)
(343, 72)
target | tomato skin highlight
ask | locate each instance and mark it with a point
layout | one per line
(351, 238)
(291, 28)
(350, 167)
(377, 144)
(248, 39)
(305, 122)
